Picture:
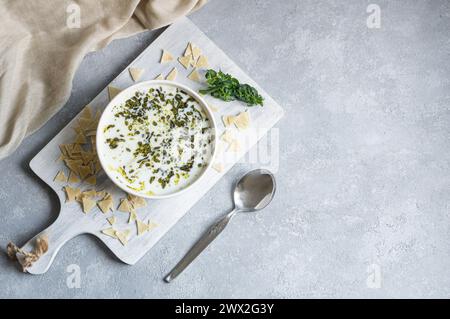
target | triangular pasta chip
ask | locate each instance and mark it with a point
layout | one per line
(166, 57)
(242, 121)
(228, 120)
(137, 201)
(73, 165)
(111, 232)
(141, 227)
(86, 112)
(90, 132)
(76, 149)
(73, 178)
(196, 52)
(60, 177)
(159, 77)
(194, 76)
(87, 157)
(202, 62)
(62, 148)
(172, 75)
(185, 61)
(218, 167)
(78, 129)
(84, 171)
(68, 149)
(85, 123)
(113, 91)
(88, 204)
(188, 50)
(106, 205)
(97, 167)
(111, 220)
(101, 194)
(151, 225)
(89, 193)
(80, 139)
(133, 216)
(136, 73)
(213, 107)
(71, 193)
(92, 180)
(124, 206)
(122, 236)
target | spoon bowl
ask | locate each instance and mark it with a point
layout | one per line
(254, 191)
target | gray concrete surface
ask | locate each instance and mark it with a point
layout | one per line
(364, 176)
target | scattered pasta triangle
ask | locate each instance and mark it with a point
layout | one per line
(185, 61)
(86, 112)
(73, 178)
(113, 91)
(166, 57)
(60, 177)
(151, 225)
(136, 201)
(92, 180)
(194, 76)
(133, 216)
(123, 236)
(136, 73)
(80, 139)
(202, 62)
(196, 52)
(71, 193)
(141, 227)
(242, 121)
(213, 107)
(124, 206)
(88, 204)
(228, 120)
(218, 167)
(111, 220)
(172, 75)
(188, 50)
(111, 232)
(106, 204)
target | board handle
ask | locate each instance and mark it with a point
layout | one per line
(58, 234)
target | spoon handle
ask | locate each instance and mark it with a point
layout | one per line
(199, 246)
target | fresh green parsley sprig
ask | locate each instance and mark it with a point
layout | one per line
(227, 88)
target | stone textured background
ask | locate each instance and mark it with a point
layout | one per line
(364, 174)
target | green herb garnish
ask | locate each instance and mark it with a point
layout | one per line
(227, 88)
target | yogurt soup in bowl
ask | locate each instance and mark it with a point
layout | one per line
(156, 139)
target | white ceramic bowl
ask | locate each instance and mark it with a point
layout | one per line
(128, 93)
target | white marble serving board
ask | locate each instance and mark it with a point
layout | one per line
(165, 213)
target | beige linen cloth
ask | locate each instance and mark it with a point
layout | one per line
(42, 44)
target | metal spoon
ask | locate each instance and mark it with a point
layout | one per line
(253, 192)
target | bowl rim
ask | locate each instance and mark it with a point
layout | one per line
(135, 87)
